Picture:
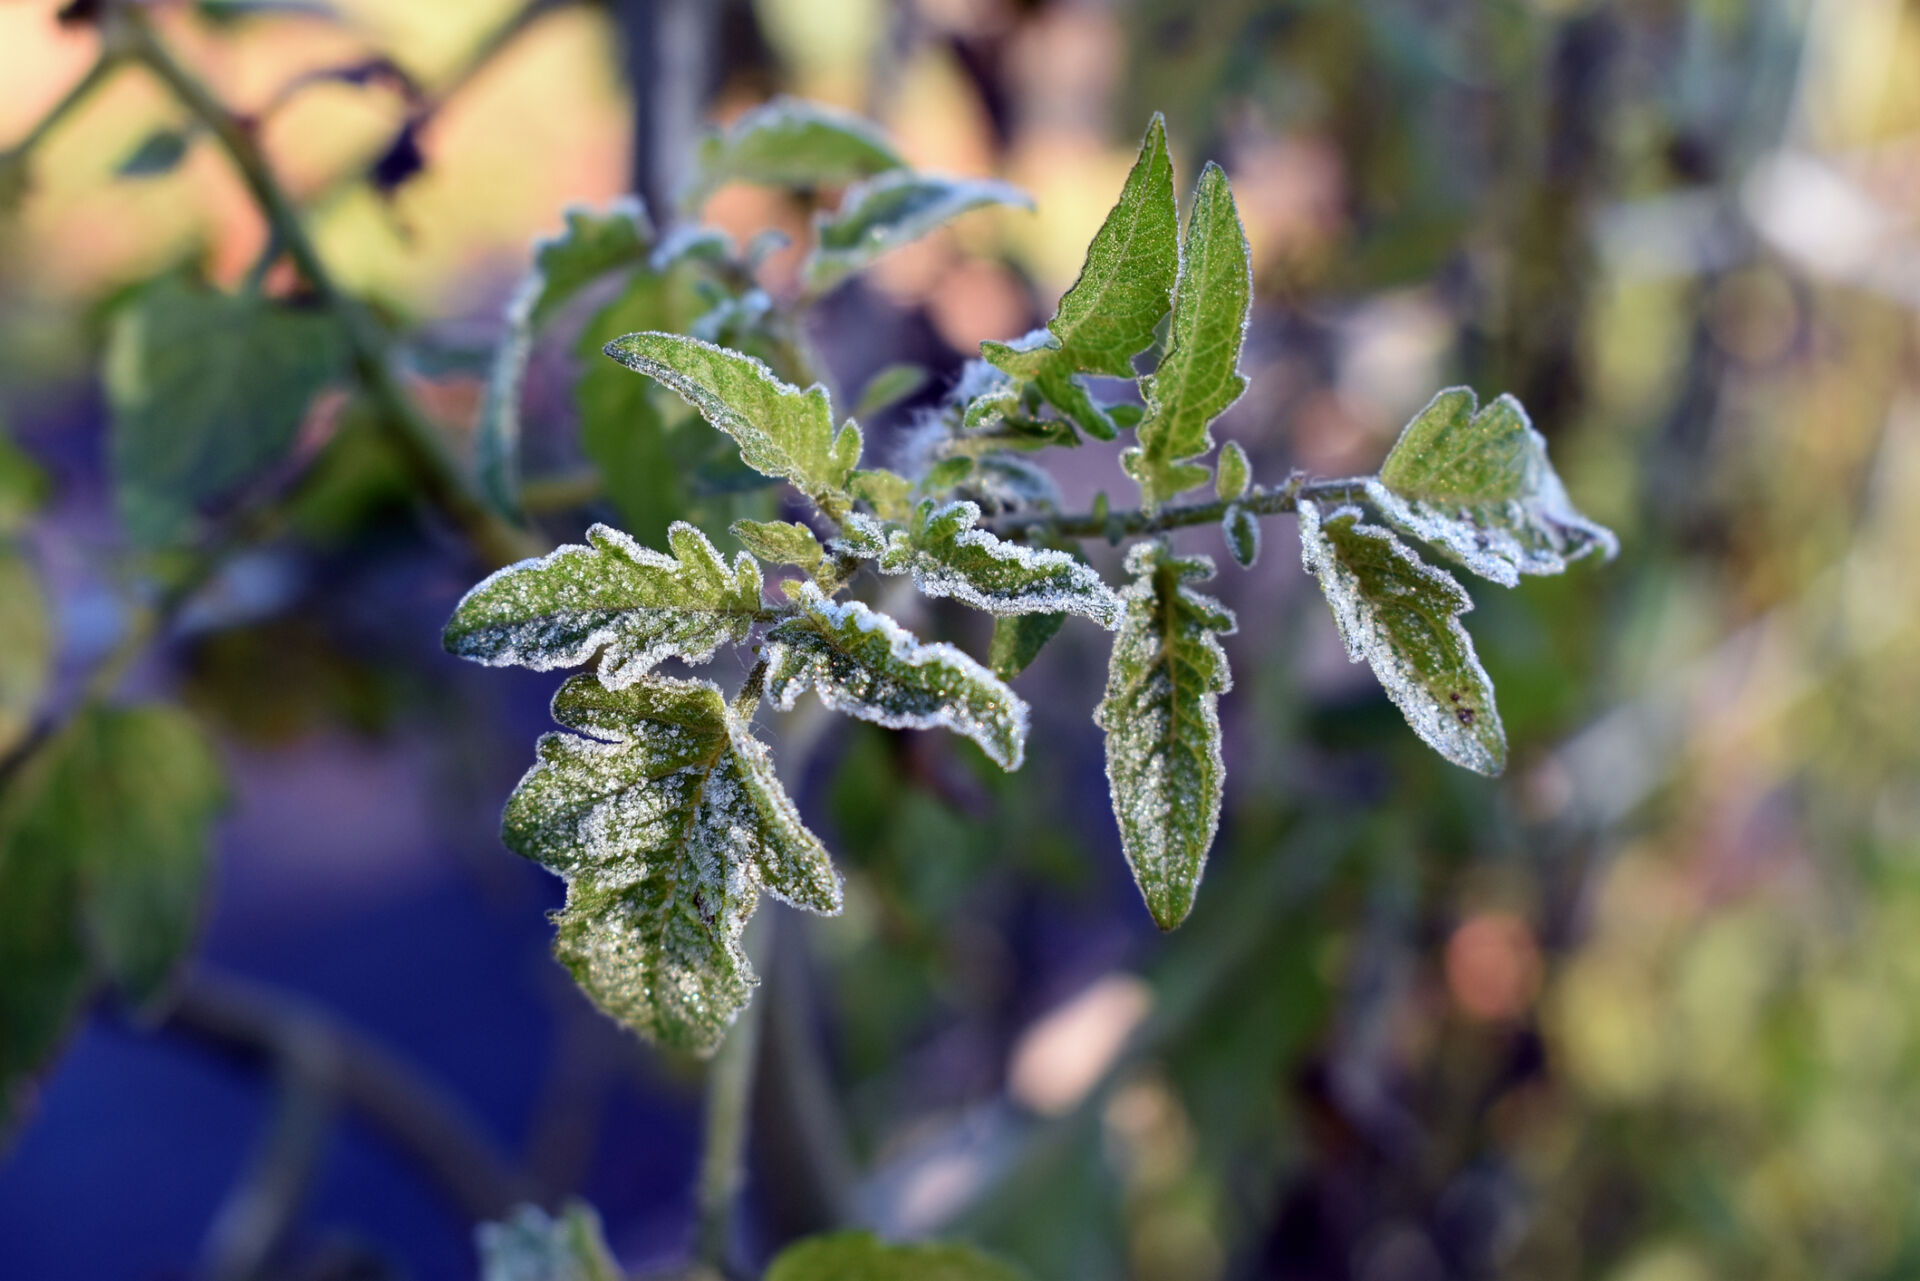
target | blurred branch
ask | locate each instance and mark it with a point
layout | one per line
(265, 1202)
(253, 1021)
(1114, 526)
(103, 67)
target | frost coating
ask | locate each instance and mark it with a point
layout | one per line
(864, 664)
(664, 815)
(1479, 487)
(1161, 715)
(782, 431)
(633, 605)
(947, 556)
(1403, 616)
(891, 210)
(791, 143)
(1241, 529)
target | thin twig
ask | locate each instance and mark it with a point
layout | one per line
(1114, 526)
(103, 67)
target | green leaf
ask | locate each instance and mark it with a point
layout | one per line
(592, 245)
(793, 144)
(782, 431)
(1199, 376)
(1161, 715)
(886, 492)
(945, 474)
(1018, 640)
(893, 209)
(206, 390)
(531, 1245)
(1479, 487)
(1235, 473)
(632, 606)
(1403, 616)
(1241, 529)
(889, 387)
(44, 974)
(1124, 288)
(666, 821)
(948, 556)
(160, 152)
(779, 542)
(26, 647)
(861, 1256)
(863, 663)
(23, 486)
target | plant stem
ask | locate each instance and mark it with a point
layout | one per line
(1114, 526)
(729, 1105)
(104, 66)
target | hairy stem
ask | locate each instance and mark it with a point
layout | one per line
(1114, 526)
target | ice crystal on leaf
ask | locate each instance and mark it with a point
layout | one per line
(1479, 487)
(1403, 616)
(664, 815)
(1162, 720)
(948, 556)
(891, 210)
(794, 144)
(632, 605)
(779, 542)
(864, 664)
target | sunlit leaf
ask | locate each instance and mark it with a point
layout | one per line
(790, 143)
(1199, 376)
(1479, 487)
(1235, 472)
(782, 431)
(1162, 720)
(888, 493)
(891, 210)
(1403, 616)
(532, 1245)
(861, 1256)
(863, 663)
(664, 815)
(779, 542)
(948, 556)
(629, 604)
(207, 390)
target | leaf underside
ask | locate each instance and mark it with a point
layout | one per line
(1403, 616)
(948, 556)
(665, 817)
(1162, 722)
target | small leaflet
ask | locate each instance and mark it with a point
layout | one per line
(1161, 715)
(1479, 487)
(782, 431)
(1108, 317)
(863, 663)
(591, 245)
(1403, 616)
(1199, 377)
(631, 605)
(1235, 473)
(1241, 529)
(948, 556)
(890, 210)
(793, 144)
(665, 817)
(779, 542)
(531, 1245)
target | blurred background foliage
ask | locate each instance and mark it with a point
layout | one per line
(1642, 1011)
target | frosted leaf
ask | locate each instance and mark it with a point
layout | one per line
(1241, 529)
(1161, 715)
(863, 663)
(1199, 376)
(631, 605)
(860, 535)
(664, 815)
(779, 542)
(591, 245)
(1235, 472)
(691, 241)
(886, 492)
(1403, 616)
(947, 556)
(1005, 482)
(1124, 288)
(531, 1245)
(891, 210)
(1479, 487)
(793, 144)
(782, 431)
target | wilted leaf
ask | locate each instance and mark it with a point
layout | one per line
(207, 389)
(1162, 719)
(948, 556)
(891, 210)
(790, 143)
(782, 431)
(531, 1245)
(779, 542)
(863, 663)
(666, 821)
(631, 605)
(1479, 487)
(861, 1256)
(1199, 376)
(592, 245)
(1403, 616)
